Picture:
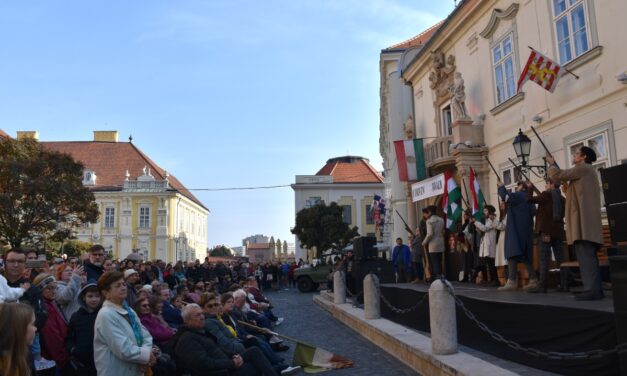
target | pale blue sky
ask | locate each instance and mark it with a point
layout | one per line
(229, 93)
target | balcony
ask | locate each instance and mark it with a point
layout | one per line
(437, 153)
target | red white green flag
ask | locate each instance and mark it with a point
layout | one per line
(451, 200)
(410, 157)
(477, 195)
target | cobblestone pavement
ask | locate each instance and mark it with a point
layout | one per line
(306, 321)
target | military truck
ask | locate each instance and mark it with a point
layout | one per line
(309, 278)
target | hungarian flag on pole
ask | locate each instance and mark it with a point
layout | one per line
(314, 359)
(477, 195)
(541, 70)
(410, 157)
(451, 200)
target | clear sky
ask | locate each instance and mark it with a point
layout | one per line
(228, 93)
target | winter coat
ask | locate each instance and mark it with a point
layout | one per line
(545, 223)
(116, 351)
(519, 231)
(198, 354)
(488, 240)
(171, 314)
(401, 254)
(80, 339)
(435, 235)
(224, 338)
(67, 295)
(583, 205)
(158, 329)
(93, 271)
(53, 335)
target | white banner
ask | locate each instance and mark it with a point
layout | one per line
(427, 188)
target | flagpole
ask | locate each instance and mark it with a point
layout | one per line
(466, 191)
(566, 69)
(525, 175)
(482, 196)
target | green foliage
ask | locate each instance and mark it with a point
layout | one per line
(321, 226)
(220, 250)
(41, 193)
(72, 248)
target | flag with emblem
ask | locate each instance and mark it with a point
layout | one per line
(477, 195)
(541, 70)
(410, 158)
(451, 200)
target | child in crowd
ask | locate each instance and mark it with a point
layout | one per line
(80, 336)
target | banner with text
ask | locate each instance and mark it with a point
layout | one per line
(427, 188)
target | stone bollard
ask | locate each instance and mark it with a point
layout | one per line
(442, 319)
(372, 308)
(339, 288)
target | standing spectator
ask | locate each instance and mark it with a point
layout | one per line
(518, 235)
(17, 325)
(93, 267)
(417, 268)
(131, 277)
(107, 265)
(583, 217)
(122, 346)
(80, 332)
(401, 260)
(434, 240)
(68, 287)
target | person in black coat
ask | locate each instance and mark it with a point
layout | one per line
(198, 354)
(80, 334)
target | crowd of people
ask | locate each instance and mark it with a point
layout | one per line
(95, 316)
(526, 215)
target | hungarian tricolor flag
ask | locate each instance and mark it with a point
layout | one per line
(314, 359)
(451, 200)
(410, 157)
(541, 70)
(477, 195)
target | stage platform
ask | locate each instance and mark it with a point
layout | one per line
(553, 322)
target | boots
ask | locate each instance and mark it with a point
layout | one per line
(510, 285)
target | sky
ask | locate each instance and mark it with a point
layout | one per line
(221, 93)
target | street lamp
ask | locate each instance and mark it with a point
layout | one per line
(522, 147)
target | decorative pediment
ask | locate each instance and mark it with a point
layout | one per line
(496, 17)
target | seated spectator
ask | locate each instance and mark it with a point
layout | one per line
(259, 302)
(199, 355)
(171, 314)
(80, 333)
(149, 311)
(242, 309)
(68, 287)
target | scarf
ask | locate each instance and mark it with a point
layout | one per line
(558, 209)
(137, 329)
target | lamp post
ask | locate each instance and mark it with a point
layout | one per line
(522, 147)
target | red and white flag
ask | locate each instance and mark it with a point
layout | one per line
(541, 70)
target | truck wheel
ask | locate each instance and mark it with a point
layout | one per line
(305, 284)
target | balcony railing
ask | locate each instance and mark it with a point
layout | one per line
(438, 150)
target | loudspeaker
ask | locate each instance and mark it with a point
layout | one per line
(382, 268)
(618, 271)
(613, 183)
(363, 248)
(617, 218)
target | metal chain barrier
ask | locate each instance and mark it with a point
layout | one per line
(399, 310)
(355, 297)
(592, 354)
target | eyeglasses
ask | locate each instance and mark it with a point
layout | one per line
(51, 287)
(16, 262)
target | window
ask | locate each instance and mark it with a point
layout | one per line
(312, 201)
(503, 67)
(369, 215)
(144, 217)
(109, 218)
(598, 143)
(571, 28)
(510, 176)
(446, 121)
(346, 214)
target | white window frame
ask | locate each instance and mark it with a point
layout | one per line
(514, 174)
(446, 122)
(144, 216)
(590, 28)
(350, 212)
(513, 55)
(109, 217)
(312, 201)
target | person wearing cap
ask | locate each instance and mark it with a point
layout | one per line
(131, 277)
(583, 217)
(80, 333)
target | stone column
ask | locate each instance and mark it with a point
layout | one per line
(411, 213)
(372, 308)
(442, 319)
(339, 288)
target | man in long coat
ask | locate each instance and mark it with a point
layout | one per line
(518, 235)
(583, 217)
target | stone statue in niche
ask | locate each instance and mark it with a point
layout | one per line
(458, 98)
(409, 127)
(441, 75)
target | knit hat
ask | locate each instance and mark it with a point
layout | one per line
(129, 272)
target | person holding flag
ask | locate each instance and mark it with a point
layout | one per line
(434, 241)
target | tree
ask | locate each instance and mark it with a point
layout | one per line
(220, 250)
(41, 193)
(322, 226)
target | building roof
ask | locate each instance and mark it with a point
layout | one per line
(351, 169)
(3, 134)
(252, 246)
(417, 40)
(111, 160)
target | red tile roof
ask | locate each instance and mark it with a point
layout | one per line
(418, 40)
(258, 246)
(111, 160)
(350, 169)
(3, 134)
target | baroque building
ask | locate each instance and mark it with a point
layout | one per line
(143, 209)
